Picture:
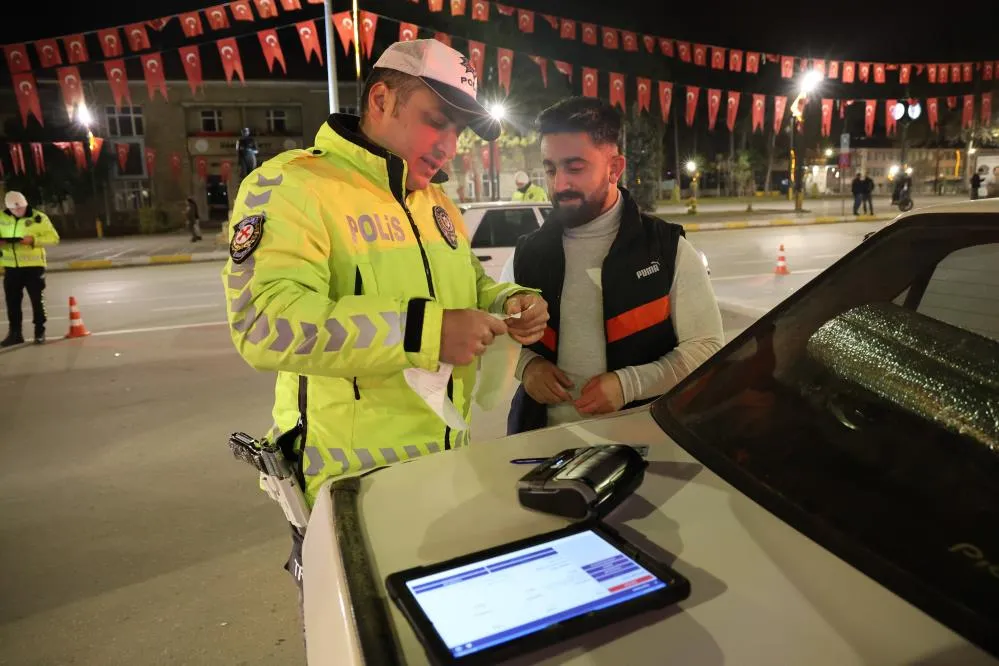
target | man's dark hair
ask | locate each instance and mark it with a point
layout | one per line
(403, 84)
(582, 114)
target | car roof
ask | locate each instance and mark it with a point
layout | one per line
(972, 207)
(502, 204)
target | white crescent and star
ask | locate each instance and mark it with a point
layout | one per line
(26, 87)
(306, 33)
(152, 65)
(227, 52)
(271, 40)
(116, 73)
(191, 59)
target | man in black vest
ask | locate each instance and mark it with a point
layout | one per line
(632, 309)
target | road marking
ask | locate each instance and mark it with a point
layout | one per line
(807, 271)
(156, 329)
(170, 259)
(188, 307)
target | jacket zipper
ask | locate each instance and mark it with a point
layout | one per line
(358, 290)
(14, 246)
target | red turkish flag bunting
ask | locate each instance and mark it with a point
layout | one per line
(76, 49)
(201, 167)
(110, 43)
(650, 43)
(827, 110)
(231, 62)
(552, 20)
(610, 39)
(683, 51)
(629, 41)
(834, 69)
(48, 53)
(666, 47)
(869, 111)
(732, 109)
(96, 144)
(122, 150)
(118, 80)
(617, 90)
(564, 68)
(369, 22)
(152, 67)
(138, 38)
(217, 18)
(525, 20)
(752, 62)
(714, 102)
(717, 57)
(700, 55)
(17, 158)
(665, 98)
(79, 155)
(987, 109)
(820, 67)
(542, 63)
(904, 73)
(408, 32)
(72, 88)
(735, 60)
(505, 10)
(968, 73)
(932, 112)
(443, 38)
(190, 57)
(968, 117)
(27, 97)
(271, 47)
(484, 156)
(477, 56)
(589, 82)
(787, 66)
(175, 165)
(931, 73)
(758, 111)
(435, 5)
(226, 169)
(644, 96)
(864, 72)
(504, 59)
(890, 123)
(345, 29)
(159, 24)
(589, 34)
(190, 23)
(292, 5)
(693, 92)
(150, 161)
(241, 10)
(38, 157)
(943, 73)
(879, 72)
(567, 29)
(480, 10)
(952, 102)
(849, 71)
(955, 73)
(780, 105)
(310, 39)
(457, 7)
(17, 58)
(988, 70)
(266, 8)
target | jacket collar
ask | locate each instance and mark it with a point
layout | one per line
(28, 212)
(341, 135)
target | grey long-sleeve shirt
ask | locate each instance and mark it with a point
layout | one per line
(582, 338)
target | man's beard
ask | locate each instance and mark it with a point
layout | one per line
(578, 214)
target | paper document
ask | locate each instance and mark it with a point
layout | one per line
(432, 387)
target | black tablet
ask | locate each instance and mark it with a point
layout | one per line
(522, 596)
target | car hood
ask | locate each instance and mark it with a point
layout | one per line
(761, 592)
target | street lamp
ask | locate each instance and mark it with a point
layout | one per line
(829, 152)
(86, 118)
(497, 111)
(692, 170)
(807, 85)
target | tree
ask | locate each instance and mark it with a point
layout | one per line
(644, 136)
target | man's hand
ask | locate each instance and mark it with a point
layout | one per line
(546, 383)
(601, 395)
(28, 240)
(530, 326)
(465, 334)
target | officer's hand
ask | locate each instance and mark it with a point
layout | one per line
(465, 334)
(530, 326)
(546, 383)
(601, 395)
(28, 240)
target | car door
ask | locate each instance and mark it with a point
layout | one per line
(497, 234)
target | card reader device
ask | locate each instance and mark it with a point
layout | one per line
(583, 482)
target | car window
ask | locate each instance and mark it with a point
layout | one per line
(864, 411)
(502, 228)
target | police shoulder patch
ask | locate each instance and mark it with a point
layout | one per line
(446, 226)
(246, 237)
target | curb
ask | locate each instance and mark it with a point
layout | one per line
(150, 260)
(779, 222)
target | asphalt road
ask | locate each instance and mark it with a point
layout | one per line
(129, 535)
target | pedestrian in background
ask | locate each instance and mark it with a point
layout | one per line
(193, 223)
(868, 195)
(24, 233)
(858, 193)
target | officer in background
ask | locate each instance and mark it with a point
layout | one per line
(350, 266)
(246, 152)
(24, 233)
(525, 190)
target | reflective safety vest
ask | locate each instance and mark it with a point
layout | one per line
(338, 280)
(35, 224)
(533, 193)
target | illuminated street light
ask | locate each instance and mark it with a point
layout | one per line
(497, 111)
(893, 171)
(972, 150)
(691, 166)
(829, 152)
(83, 116)
(810, 81)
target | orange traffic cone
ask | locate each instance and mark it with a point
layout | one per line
(782, 268)
(76, 327)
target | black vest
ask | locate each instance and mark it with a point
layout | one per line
(636, 279)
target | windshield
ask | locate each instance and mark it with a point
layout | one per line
(864, 411)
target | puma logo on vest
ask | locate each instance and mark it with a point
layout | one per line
(651, 269)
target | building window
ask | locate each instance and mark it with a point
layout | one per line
(211, 120)
(126, 121)
(130, 194)
(486, 188)
(277, 121)
(539, 178)
(349, 110)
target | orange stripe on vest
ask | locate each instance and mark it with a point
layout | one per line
(637, 319)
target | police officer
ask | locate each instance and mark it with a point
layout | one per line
(350, 265)
(24, 233)
(246, 152)
(525, 190)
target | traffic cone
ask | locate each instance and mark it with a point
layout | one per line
(782, 268)
(76, 327)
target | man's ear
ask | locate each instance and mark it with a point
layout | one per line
(378, 99)
(617, 164)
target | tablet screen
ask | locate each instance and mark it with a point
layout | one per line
(495, 600)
